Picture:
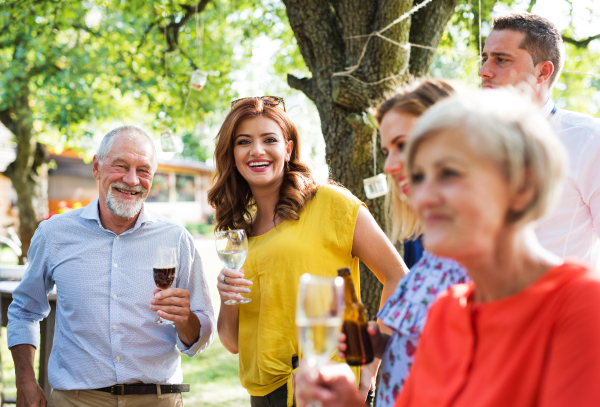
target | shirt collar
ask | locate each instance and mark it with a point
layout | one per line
(92, 212)
(546, 110)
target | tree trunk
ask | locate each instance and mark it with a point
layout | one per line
(427, 27)
(322, 28)
(28, 173)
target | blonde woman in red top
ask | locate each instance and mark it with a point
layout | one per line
(483, 168)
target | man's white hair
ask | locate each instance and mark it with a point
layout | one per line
(130, 132)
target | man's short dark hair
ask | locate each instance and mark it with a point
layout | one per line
(542, 39)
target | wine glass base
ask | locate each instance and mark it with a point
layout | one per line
(163, 321)
(236, 302)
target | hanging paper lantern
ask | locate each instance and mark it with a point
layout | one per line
(198, 79)
(167, 141)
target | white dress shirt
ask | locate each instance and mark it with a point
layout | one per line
(571, 229)
(105, 332)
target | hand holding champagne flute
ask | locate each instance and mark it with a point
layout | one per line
(232, 248)
(319, 317)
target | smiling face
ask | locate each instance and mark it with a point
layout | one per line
(460, 194)
(124, 177)
(504, 62)
(394, 129)
(261, 151)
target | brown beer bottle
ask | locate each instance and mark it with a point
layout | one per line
(359, 350)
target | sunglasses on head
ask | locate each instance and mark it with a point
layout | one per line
(267, 100)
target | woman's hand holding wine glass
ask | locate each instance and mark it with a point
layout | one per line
(231, 285)
(232, 248)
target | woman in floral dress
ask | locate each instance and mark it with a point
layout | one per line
(406, 310)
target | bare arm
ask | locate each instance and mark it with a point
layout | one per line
(228, 322)
(29, 393)
(374, 249)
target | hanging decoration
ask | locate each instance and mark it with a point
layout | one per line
(198, 78)
(167, 139)
(376, 185)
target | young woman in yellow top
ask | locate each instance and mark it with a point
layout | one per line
(295, 226)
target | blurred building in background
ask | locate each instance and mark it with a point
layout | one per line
(179, 189)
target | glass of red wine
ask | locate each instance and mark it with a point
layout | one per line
(165, 266)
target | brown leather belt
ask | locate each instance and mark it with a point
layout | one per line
(126, 389)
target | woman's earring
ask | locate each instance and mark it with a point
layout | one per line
(287, 165)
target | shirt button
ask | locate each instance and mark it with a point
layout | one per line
(117, 238)
(114, 327)
(115, 265)
(118, 358)
(114, 296)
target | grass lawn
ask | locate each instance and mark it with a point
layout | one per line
(213, 374)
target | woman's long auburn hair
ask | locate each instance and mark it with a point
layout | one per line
(231, 195)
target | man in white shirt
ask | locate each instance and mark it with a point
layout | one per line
(526, 48)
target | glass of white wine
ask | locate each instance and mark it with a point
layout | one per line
(232, 248)
(319, 317)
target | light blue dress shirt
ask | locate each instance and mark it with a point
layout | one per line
(105, 332)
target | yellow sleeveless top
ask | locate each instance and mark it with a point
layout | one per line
(319, 242)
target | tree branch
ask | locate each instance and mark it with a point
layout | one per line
(194, 66)
(355, 23)
(7, 120)
(531, 4)
(427, 27)
(172, 29)
(580, 43)
(317, 30)
(145, 36)
(304, 85)
(86, 29)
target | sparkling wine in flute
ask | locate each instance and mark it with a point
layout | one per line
(232, 248)
(319, 317)
(233, 259)
(318, 338)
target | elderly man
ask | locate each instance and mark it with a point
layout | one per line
(107, 348)
(525, 48)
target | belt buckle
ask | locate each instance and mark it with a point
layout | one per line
(120, 386)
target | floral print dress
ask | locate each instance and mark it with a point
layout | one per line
(405, 312)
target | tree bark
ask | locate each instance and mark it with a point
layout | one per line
(28, 173)
(426, 29)
(322, 29)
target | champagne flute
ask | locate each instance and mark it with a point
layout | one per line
(319, 317)
(165, 266)
(232, 248)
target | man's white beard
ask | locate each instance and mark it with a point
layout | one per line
(125, 208)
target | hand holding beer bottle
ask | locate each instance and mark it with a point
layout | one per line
(359, 349)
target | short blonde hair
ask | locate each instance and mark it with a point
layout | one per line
(413, 98)
(510, 130)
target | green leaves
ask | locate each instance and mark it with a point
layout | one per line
(91, 63)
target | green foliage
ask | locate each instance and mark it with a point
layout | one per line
(88, 64)
(204, 229)
(457, 56)
(579, 92)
